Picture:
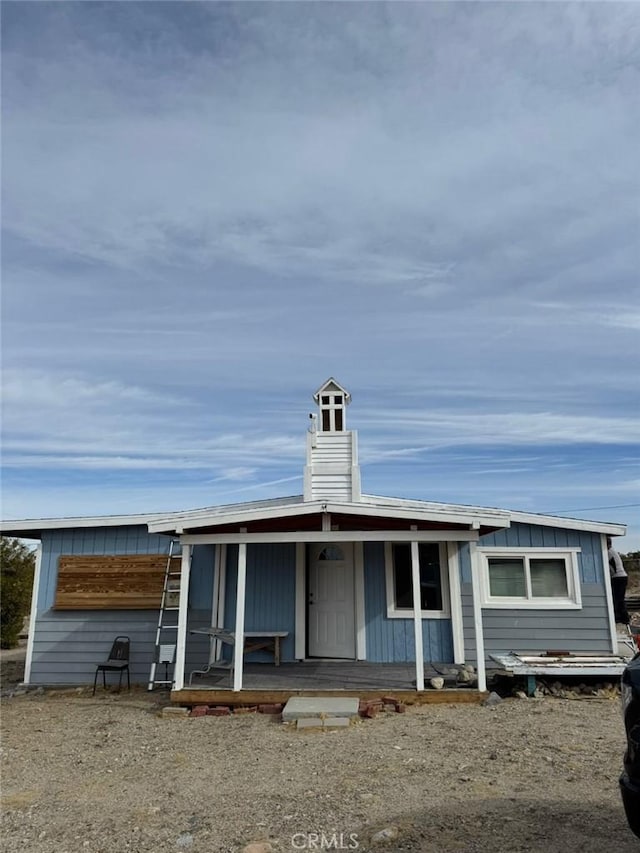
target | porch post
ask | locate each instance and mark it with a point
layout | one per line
(238, 649)
(613, 632)
(301, 604)
(455, 602)
(183, 604)
(477, 617)
(417, 614)
(33, 615)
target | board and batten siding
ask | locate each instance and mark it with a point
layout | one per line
(67, 645)
(393, 640)
(270, 594)
(532, 631)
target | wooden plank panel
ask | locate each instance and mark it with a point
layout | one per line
(111, 582)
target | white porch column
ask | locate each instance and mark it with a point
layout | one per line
(455, 602)
(301, 604)
(613, 633)
(183, 605)
(477, 617)
(238, 649)
(33, 614)
(417, 614)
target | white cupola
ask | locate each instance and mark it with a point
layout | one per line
(332, 471)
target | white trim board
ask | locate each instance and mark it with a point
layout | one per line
(407, 613)
(317, 536)
(457, 625)
(33, 615)
(361, 625)
(301, 603)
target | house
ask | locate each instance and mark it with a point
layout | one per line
(334, 573)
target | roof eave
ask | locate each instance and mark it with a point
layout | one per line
(33, 528)
(472, 519)
(608, 527)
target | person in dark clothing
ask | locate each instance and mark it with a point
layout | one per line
(619, 581)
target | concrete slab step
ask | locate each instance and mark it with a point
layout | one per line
(314, 723)
(301, 707)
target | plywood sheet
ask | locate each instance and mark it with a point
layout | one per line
(113, 582)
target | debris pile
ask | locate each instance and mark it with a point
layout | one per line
(565, 690)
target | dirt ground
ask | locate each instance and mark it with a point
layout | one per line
(107, 774)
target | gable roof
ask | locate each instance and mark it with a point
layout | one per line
(336, 385)
(370, 505)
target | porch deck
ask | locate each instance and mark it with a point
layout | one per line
(265, 682)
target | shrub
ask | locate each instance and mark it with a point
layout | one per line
(16, 580)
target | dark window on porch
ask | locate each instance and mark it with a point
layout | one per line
(430, 581)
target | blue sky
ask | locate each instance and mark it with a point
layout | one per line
(210, 208)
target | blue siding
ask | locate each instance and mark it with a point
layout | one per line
(530, 631)
(392, 640)
(113, 540)
(201, 577)
(536, 536)
(69, 643)
(270, 603)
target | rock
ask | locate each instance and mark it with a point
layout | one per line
(184, 840)
(521, 695)
(468, 667)
(465, 676)
(437, 683)
(258, 847)
(492, 700)
(389, 833)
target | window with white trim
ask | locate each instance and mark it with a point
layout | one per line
(522, 577)
(434, 597)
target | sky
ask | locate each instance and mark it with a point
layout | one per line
(210, 208)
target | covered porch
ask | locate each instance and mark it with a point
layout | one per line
(345, 622)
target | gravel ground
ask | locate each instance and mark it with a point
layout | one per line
(108, 774)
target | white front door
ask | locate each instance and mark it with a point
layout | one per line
(331, 602)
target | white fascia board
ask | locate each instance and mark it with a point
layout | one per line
(569, 523)
(460, 512)
(21, 527)
(487, 514)
(317, 536)
(418, 514)
(186, 522)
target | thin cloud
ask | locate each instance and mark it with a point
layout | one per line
(209, 208)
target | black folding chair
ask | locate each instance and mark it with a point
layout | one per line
(118, 661)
